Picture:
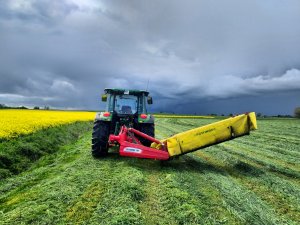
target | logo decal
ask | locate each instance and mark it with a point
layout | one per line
(134, 150)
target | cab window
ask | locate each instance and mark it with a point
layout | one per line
(126, 104)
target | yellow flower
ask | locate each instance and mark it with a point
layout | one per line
(16, 122)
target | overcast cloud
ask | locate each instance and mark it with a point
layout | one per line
(199, 56)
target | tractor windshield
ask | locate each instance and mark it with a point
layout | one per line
(126, 104)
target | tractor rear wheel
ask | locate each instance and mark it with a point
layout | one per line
(147, 128)
(100, 138)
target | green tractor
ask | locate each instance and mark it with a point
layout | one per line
(123, 108)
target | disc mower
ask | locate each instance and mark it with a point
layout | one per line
(127, 124)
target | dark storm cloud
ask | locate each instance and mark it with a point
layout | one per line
(63, 53)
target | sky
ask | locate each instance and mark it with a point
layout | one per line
(198, 56)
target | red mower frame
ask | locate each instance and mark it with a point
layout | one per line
(131, 146)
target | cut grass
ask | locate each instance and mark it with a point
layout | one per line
(18, 154)
(232, 183)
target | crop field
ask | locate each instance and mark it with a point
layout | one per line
(250, 180)
(14, 122)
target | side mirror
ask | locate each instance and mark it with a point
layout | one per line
(149, 100)
(104, 98)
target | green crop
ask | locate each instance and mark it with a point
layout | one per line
(249, 180)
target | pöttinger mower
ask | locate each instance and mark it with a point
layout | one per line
(126, 123)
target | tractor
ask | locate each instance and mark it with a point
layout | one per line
(127, 124)
(123, 108)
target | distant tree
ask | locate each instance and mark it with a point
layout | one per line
(230, 114)
(36, 107)
(297, 112)
(2, 106)
(259, 115)
(222, 115)
(284, 116)
(46, 107)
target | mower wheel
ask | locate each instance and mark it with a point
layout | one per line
(100, 138)
(147, 128)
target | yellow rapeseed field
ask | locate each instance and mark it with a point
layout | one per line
(16, 122)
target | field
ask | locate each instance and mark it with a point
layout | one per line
(251, 180)
(14, 122)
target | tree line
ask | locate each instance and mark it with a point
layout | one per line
(3, 106)
(296, 112)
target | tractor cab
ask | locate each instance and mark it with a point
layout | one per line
(127, 103)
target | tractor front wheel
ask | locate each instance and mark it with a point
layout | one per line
(100, 138)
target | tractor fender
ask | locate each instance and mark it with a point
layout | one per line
(101, 117)
(149, 119)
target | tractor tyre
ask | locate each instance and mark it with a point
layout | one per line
(147, 128)
(100, 137)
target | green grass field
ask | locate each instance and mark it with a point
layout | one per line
(250, 180)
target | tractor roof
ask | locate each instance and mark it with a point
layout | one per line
(125, 91)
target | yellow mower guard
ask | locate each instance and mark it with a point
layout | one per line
(210, 134)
